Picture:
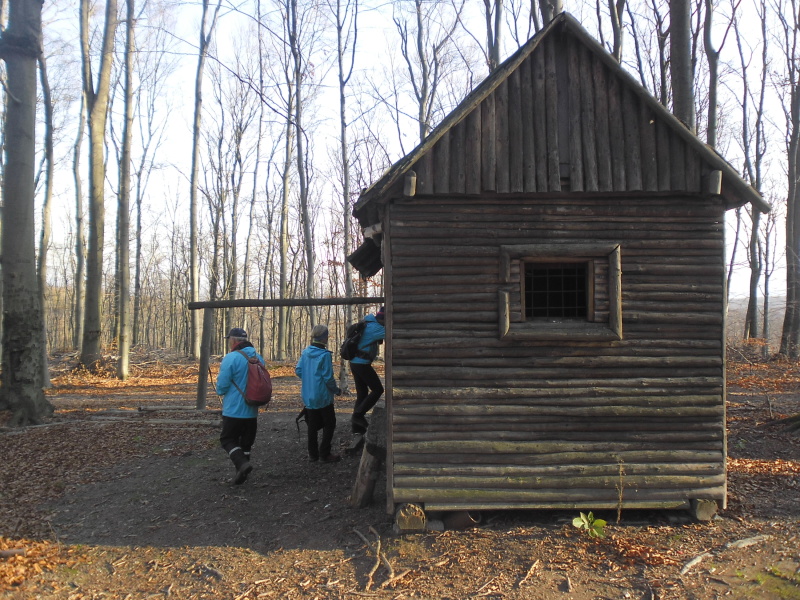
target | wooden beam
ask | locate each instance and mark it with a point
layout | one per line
(244, 302)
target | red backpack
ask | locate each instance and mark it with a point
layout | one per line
(258, 391)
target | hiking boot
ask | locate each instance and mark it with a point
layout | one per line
(242, 472)
(331, 458)
(313, 458)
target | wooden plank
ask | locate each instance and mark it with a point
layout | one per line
(473, 153)
(514, 121)
(540, 118)
(693, 177)
(677, 151)
(441, 165)
(526, 118)
(602, 139)
(633, 148)
(424, 169)
(588, 123)
(616, 134)
(551, 115)
(664, 156)
(575, 116)
(489, 156)
(457, 158)
(647, 130)
(502, 151)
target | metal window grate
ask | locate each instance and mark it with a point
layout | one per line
(555, 290)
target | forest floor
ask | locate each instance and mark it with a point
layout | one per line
(107, 501)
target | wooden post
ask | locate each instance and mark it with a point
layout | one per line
(372, 459)
(205, 358)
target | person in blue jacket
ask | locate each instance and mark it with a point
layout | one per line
(239, 419)
(368, 384)
(315, 370)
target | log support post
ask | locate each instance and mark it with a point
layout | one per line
(372, 458)
(205, 357)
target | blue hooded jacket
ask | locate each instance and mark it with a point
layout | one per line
(374, 332)
(234, 369)
(315, 370)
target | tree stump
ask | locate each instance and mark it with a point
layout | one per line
(372, 458)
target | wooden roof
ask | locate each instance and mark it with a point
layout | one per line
(614, 136)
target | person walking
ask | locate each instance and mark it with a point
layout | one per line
(239, 419)
(315, 370)
(368, 384)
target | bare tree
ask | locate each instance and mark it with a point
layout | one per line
(97, 111)
(790, 99)
(124, 199)
(424, 46)
(79, 305)
(207, 26)
(754, 147)
(20, 47)
(44, 238)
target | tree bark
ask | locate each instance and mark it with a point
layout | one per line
(97, 110)
(79, 305)
(123, 207)
(194, 268)
(682, 74)
(20, 47)
(44, 239)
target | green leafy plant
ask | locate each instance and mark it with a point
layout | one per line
(594, 527)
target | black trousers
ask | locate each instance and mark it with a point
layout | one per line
(369, 388)
(325, 419)
(238, 433)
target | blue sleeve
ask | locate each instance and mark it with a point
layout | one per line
(327, 373)
(225, 374)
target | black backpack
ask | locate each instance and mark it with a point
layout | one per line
(352, 337)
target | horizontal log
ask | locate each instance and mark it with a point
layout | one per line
(564, 397)
(285, 302)
(452, 411)
(589, 495)
(591, 504)
(496, 376)
(588, 457)
(606, 469)
(413, 434)
(468, 448)
(444, 359)
(498, 208)
(630, 483)
(553, 425)
(625, 386)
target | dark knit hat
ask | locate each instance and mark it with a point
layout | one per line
(381, 312)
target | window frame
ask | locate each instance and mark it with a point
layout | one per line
(561, 329)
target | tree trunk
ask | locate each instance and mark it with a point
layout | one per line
(44, 239)
(80, 234)
(194, 268)
(97, 109)
(682, 75)
(20, 46)
(302, 168)
(123, 210)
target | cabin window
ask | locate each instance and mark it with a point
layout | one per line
(564, 291)
(556, 290)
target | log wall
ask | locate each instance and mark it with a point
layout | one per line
(482, 422)
(562, 121)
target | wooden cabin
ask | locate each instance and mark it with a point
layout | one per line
(553, 258)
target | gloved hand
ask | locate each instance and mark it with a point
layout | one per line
(338, 391)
